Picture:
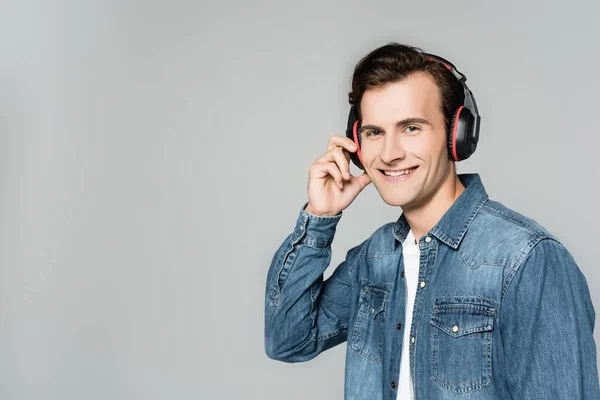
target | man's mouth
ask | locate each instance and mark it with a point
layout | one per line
(398, 173)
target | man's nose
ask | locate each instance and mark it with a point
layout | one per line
(392, 150)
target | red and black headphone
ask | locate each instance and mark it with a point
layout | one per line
(463, 131)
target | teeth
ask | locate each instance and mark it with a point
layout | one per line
(399, 173)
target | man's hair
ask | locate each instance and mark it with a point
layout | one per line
(394, 62)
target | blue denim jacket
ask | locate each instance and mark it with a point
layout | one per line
(502, 310)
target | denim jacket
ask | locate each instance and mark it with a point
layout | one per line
(502, 310)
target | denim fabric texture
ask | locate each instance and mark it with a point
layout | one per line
(502, 310)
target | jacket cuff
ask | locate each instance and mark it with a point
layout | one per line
(313, 230)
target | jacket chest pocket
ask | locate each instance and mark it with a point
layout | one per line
(367, 335)
(462, 343)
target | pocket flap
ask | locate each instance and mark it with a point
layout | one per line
(460, 319)
(373, 296)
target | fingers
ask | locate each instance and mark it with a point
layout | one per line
(341, 141)
(330, 168)
(339, 158)
(335, 161)
(336, 153)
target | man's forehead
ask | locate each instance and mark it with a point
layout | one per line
(410, 98)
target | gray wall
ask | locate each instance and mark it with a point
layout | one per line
(153, 156)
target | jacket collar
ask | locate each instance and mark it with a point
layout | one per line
(453, 225)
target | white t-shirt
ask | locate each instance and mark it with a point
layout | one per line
(411, 276)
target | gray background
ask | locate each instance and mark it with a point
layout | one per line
(153, 156)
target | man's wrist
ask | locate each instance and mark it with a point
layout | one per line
(309, 210)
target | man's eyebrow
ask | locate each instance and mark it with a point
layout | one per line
(406, 121)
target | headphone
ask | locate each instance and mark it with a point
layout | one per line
(463, 131)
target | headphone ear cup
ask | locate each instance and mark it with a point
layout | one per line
(451, 136)
(463, 135)
(352, 134)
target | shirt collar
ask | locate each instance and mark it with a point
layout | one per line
(453, 225)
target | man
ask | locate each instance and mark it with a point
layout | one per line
(461, 297)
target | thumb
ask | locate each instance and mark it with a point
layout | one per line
(363, 180)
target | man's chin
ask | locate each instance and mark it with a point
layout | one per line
(404, 197)
(396, 201)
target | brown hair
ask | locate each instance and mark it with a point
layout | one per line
(394, 62)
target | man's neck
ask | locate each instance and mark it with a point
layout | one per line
(423, 218)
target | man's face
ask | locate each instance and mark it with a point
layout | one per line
(403, 128)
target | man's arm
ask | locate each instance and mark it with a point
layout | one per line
(305, 315)
(547, 322)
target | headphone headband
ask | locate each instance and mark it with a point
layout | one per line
(469, 102)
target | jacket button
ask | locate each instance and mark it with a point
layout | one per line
(428, 239)
(399, 326)
(393, 385)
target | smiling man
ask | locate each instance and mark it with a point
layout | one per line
(461, 297)
(409, 166)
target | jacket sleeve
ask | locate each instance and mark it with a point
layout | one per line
(305, 315)
(547, 322)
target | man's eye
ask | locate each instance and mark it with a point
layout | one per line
(370, 133)
(412, 128)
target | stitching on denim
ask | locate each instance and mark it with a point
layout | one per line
(309, 241)
(364, 316)
(457, 388)
(482, 264)
(454, 242)
(522, 223)
(284, 265)
(522, 258)
(325, 217)
(325, 336)
(465, 300)
(475, 211)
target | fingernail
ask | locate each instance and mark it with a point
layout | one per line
(347, 175)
